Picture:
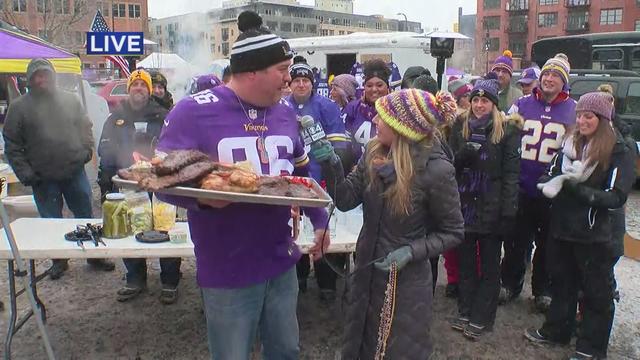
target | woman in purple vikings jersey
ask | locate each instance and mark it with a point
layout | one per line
(406, 184)
(358, 114)
(591, 175)
(487, 161)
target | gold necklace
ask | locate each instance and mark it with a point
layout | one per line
(262, 149)
(386, 314)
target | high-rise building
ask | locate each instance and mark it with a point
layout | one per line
(516, 24)
(66, 22)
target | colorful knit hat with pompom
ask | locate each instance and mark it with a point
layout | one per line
(504, 62)
(415, 114)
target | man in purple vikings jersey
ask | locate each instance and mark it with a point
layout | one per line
(548, 112)
(245, 254)
(203, 82)
(306, 102)
(358, 114)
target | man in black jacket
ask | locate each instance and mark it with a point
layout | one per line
(130, 133)
(48, 140)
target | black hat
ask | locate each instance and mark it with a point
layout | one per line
(158, 78)
(300, 68)
(376, 68)
(256, 48)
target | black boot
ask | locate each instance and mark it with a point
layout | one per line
(58, 267)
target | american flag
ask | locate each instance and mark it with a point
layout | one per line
(100, 25)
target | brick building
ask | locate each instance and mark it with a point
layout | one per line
(66, 22)
(516, 24)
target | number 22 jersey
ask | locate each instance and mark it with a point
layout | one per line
(545, 126)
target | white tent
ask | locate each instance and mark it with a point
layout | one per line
(164, 61)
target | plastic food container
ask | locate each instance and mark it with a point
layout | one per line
(177, 236)
(115, 217)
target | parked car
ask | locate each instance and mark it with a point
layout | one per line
(114, 91)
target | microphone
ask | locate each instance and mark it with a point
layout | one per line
(311, 130)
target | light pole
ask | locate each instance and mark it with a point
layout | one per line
(406, 22)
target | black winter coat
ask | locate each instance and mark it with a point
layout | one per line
(47, 137)
(487, 178)
(582, 212)
(124, 132)
(434, 226)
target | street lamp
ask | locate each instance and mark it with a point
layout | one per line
(406, 23)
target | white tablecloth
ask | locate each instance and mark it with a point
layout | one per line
(39, 238)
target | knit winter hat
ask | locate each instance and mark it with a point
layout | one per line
(346, 83)
(487, 87)
(425, 82)
(558, 64)
(459, 87)
(411, 74)
(300, 68)
(158, 78)
(256, 48)
(504, 62)
(529, 75)
(376, 68)
(598, 102)
(140, 75)
(415, 113)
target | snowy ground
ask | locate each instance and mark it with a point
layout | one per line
(86, 322)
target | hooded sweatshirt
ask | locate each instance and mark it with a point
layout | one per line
(47, 134)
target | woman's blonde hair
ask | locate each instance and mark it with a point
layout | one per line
(400, 154)
(499, 120)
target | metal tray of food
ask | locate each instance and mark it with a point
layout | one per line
(323, 199)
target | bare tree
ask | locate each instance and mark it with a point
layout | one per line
(57, 16)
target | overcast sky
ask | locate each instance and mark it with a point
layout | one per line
(442, 15)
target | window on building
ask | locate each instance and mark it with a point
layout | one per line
(548, 2)
(492, 22)
(324, 32)
(61, 6)
(637, 25)
(517, 46)
(158, 29)
(548, 19)
(272, 25)
(577, 21)
(362, 24)
(134, 11)
(19, 5)
(491, 4)
(225, 49)
(494, 44)
(611, 16)
(635, 60)
(119, 10)
(298, 28)
(312, 29)
(41, 6)
(340, 32)
(103, 7)
(224, 32)
(332, 32)
(212, 48)
(285, 26)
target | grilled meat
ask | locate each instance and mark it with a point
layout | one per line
(281, 186)
(177, 160)
(190, 174)
(134, 174)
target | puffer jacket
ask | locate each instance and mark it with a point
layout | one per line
(582, 212)
(47, 135)
(433, 226)
(487, 178)
(127, 131)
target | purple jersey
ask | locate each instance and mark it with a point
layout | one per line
(241, 244)
(326, 112)
(545, 126)
(358, 116)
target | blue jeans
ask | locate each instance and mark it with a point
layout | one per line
(235, 316)
(76, 191)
